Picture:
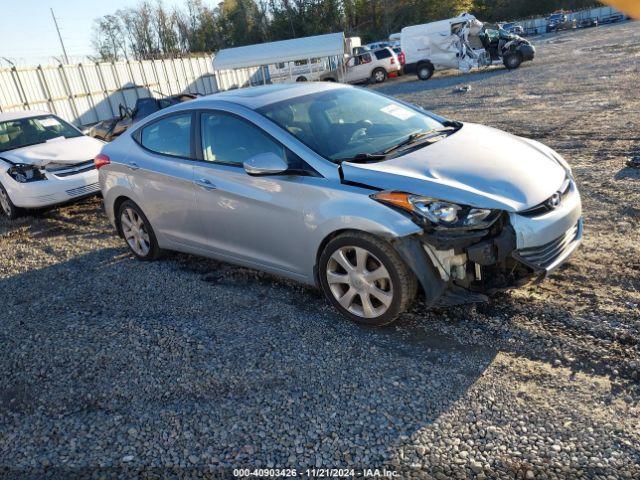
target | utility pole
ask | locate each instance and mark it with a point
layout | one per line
(64, 51)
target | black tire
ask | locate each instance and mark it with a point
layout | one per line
(424, 71)
(154, 249)
(6, 205)
(301, 79)
(512, 60)
(403, 282)
(379, 75)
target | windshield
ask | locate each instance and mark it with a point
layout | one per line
(347, 122)
(33, 130)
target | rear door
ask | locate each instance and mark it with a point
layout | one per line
(162, 177)
(387, 59)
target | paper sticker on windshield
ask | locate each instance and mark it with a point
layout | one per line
(49, 122)
(398, 111)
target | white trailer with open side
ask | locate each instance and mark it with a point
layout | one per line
(330, 57)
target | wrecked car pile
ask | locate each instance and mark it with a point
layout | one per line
(461, 43)
(108, 130)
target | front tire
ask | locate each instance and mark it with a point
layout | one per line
(137, 232)
(6, 205)
(365, 279)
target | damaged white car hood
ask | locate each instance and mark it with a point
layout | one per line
(477, 166)
(62, 151)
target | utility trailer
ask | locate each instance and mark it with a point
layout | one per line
(296, 60)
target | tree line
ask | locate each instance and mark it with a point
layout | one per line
(151, 30)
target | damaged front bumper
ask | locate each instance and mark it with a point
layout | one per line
(467, 266)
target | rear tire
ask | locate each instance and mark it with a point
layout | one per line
(512, 60)
(6, 205)
(365, 279)
(379, 75)
(424, 71)
(301, 79)
(137, 232)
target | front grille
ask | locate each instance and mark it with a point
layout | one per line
(545, 255)
(74, 170)
(547, 206)
(85, 190)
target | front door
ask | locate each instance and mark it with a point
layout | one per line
(359, 69)
(256, 220)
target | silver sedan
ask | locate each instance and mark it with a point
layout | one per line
(371, 199)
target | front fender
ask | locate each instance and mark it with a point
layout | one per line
(358, 213)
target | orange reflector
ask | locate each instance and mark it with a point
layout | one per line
(399, 199)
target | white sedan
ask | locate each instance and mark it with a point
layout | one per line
(44, 161)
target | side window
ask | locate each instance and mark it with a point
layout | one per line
(380, 54)
(228, 139)
(169, 136)
(366, 58)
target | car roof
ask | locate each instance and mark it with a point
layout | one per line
(19, 114)
(257, 97)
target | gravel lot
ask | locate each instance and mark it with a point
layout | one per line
(187, 367)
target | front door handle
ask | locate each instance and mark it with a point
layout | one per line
(133, 166)
(205, 183)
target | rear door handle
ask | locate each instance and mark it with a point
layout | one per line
(133, 166)
(205, 183)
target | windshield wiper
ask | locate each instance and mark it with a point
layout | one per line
(414, 138)
(418, 137)
(363, 158)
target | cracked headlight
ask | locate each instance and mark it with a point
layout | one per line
(25, 173)
(438, 213)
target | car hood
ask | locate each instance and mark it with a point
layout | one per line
(477, 166)
(63, 151)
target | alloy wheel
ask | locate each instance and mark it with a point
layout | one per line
(359, 282)
(379, 76)
(135, 232)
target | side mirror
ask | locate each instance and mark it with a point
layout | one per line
(265, 164)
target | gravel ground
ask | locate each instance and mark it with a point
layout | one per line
(188, 367)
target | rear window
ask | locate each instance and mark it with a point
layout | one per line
(169, 136)
(381, 54)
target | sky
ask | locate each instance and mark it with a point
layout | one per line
(28, 35)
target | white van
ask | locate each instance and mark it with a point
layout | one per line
(460, 43)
